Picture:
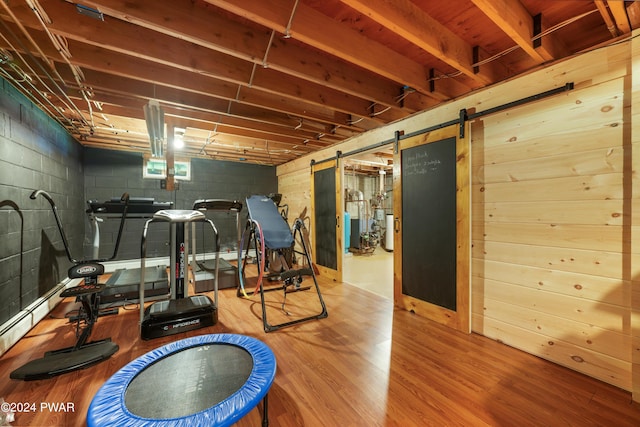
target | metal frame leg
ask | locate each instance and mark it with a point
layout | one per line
(265, 412)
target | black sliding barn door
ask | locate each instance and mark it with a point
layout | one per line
(432, 236)
(327, 218)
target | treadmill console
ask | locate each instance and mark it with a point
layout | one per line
(138, 206)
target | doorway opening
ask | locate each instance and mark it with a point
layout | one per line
(367, 188)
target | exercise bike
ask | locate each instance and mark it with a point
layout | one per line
(83, 354)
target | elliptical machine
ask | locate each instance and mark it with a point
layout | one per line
(83, 354)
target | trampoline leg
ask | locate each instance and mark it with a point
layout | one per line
(265, 414)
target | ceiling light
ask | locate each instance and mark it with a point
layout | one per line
(178, 137)
(154, 116)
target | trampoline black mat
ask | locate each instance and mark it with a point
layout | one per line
(188, 381)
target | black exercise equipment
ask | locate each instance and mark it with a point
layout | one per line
(122, 286)
(268, 233)
(83, 353)
(182, 312)
(203, 270)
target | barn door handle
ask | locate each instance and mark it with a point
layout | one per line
(397, 224)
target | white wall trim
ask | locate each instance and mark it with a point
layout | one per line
(19, 325)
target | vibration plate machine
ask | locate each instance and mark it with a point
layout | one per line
(181, 312)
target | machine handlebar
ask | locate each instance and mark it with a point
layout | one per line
(47, 196)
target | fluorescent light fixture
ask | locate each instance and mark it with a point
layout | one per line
(154, 116)
(90, 12)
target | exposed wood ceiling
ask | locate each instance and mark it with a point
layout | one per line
(267, 81)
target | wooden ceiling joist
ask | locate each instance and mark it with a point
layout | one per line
(275, 79)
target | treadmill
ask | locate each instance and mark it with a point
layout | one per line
(204, 270)
(122, 287)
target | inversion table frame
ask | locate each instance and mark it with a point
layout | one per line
(272, 240)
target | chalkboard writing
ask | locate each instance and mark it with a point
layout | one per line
(420, 163)
(428, 174)
(324, 182)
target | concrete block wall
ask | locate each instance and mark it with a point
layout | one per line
(109, 174)
(35, 153)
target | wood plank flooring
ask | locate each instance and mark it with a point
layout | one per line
(367, 364)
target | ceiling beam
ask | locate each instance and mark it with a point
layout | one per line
(315, 29)
(156, 58)
(133, 136)
(601, 5)
(633, 12)
(270, 126)
(513, 18)
(255, 45)
(287, 99)
(619, 11)
(406, 19)
(209, 122)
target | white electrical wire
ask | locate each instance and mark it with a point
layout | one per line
(516, 47)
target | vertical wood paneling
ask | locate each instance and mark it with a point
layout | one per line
(635, 209)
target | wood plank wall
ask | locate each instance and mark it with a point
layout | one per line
(550, 237)
(635, 206)
(552, 265)
(296, 192)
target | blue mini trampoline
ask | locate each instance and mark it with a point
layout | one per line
(212, 380)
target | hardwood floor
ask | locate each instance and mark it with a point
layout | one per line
(367, 364)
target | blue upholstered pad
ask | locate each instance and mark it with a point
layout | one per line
(275, 229)
(108, 407)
